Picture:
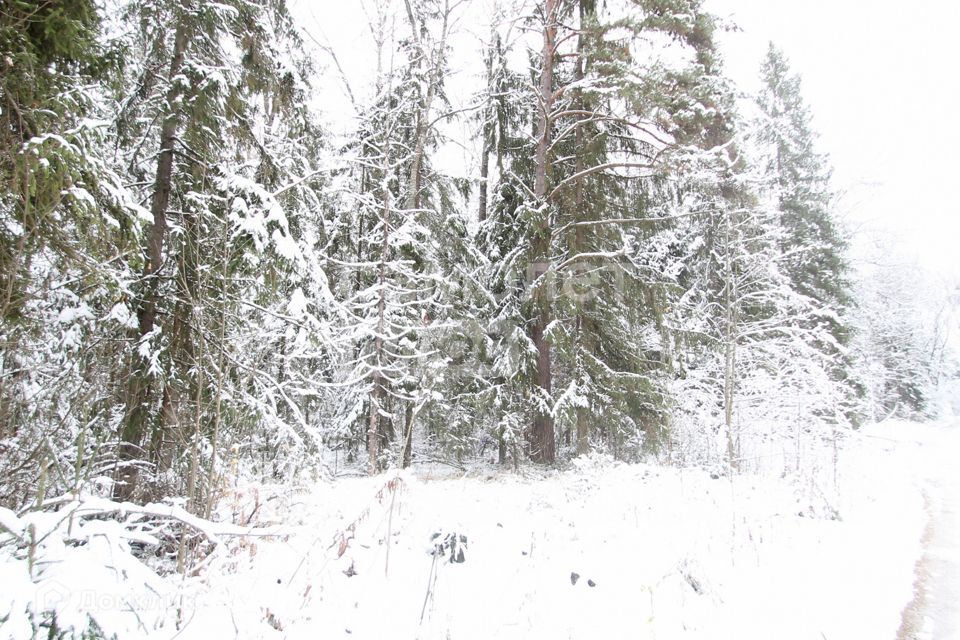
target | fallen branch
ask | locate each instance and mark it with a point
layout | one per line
(212, 531)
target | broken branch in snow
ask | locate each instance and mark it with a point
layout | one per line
(212, 531)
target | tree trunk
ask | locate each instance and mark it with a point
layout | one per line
(376, 394)
(407, 457)
(213, 476)
(587, 8)
(169, 432)
(543, 445)
(139, 390)
(373, 431)
(485, 170)
(488, 132)
(730, 344)
(376, 390)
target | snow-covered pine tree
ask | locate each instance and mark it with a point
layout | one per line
(503, 347)
(65, 227)
(800, 176)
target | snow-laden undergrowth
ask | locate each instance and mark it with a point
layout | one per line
(602, 550)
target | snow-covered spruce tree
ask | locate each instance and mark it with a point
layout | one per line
(65, 227)
(448, 383)
(502, 347)
(800, 177)
(214, 131)
(405, 239)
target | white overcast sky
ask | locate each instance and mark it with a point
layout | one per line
(881, 79)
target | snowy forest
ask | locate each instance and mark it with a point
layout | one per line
(205, 286)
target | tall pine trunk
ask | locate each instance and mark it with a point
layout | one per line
(543, 439)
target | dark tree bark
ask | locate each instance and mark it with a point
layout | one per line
(377, 392)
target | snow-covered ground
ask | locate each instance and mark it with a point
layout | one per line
(602, 550)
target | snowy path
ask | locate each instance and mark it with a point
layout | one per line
(933, 614)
